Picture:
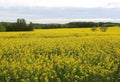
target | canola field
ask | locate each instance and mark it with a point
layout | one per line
(60, 55)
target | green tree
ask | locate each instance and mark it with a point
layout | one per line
(30, 27)
(2, 28)
(21, 25)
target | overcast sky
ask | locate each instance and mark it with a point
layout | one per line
(61, 3)
(41, 10)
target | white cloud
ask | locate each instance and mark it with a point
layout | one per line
(114, 4)
(60, 3)
(11, 14)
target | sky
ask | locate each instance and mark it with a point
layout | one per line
(61, 3)
(46, 10)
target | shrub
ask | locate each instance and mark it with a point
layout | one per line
(103, 29)
(93, 29)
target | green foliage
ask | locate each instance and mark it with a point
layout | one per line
(93, 29)
(82, 24)
(47, 26)
(103, 29)
(74, 25)
(20, 26)
(2, 28)
(30, 27)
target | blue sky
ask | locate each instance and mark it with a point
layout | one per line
(60, 11)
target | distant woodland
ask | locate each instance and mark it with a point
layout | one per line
(21, 25)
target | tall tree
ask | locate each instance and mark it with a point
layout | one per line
(21, 25)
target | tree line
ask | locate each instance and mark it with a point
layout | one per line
(21, 25)
(76, 25)
(103, 26)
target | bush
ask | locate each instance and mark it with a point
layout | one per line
(93, 29)
(103, 29)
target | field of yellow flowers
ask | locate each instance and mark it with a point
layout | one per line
(60, 55)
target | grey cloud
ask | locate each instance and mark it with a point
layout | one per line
(32, 13)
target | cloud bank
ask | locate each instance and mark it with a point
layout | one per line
(51, 14)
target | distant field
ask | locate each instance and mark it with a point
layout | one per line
(60, 55)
